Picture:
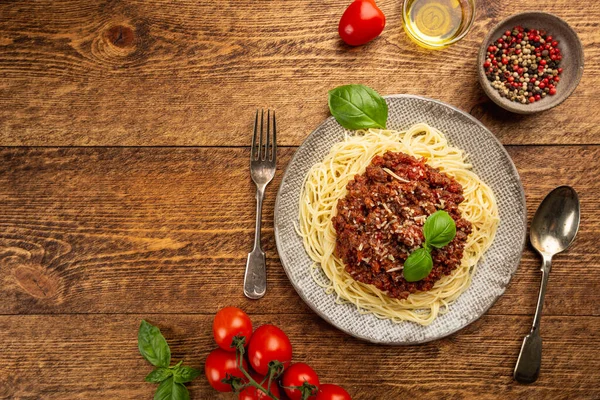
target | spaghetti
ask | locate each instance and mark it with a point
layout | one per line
(326, 183)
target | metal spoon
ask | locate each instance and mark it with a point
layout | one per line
(553, 229)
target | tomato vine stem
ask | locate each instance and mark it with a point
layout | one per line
(275, 369)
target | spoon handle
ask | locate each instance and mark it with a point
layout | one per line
(546, 265)
(528, 365)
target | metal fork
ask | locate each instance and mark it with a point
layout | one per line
(263, 160)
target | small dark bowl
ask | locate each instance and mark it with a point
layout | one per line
(571, 63)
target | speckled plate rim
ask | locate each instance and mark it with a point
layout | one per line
(285, 261)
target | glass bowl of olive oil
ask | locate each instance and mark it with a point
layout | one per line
(435, 24)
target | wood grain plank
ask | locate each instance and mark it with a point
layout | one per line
(118, 230)
(132, 72)
(96, 356)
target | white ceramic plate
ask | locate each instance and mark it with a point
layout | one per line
(492, 164)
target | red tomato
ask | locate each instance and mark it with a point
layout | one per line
(250, 393)
(296, 375)
(362, 22)
(332, 392)
(269, 343)
(218, 364)
(230, 322)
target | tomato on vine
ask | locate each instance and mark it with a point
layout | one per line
(228, 323)
(328, 391)
(300, 382)
(269, 353)
(219, 365)
(252, 393)
(269, 343)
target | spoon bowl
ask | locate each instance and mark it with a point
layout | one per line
(556, 221)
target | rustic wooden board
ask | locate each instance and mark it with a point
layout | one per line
(192, 73)
(96, 356)
(160, 230)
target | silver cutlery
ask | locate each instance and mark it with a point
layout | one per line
(552, 231)
(263, 161)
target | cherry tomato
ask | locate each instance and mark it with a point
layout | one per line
(230, 322)
(296, 375)
(218, 364)
(332, 392)
(269, 343)
(362, 22)
(251, 393)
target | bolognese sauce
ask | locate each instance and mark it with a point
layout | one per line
(380, 222)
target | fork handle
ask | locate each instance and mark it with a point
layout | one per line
(260, 194)
(255, 278)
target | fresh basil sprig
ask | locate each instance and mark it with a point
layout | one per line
(155, 349)
(418, 265)
(153, 346)
(439, 230)
(185, 374)
(171, 390)
(358, 107)
(158, 375)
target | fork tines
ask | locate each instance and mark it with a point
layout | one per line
(261, 150)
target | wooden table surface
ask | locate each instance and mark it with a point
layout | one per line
(125, 193)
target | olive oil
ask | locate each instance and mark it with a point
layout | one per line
(437, 23)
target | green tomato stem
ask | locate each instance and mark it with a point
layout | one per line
(239, 354)
(269, 383)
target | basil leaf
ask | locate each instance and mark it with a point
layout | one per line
(358, 107)
(185, 374)
(180, 392)
(158, 375)
(439, 229)
(153, 346)
(418, 265)
(164, 390)
(170, 390)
